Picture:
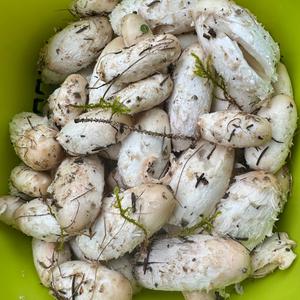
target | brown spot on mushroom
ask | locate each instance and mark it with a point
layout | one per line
(206, 36)
(212, 33)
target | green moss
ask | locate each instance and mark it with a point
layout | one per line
(125, 213)
(205, 70)
(115, 106)
(205, 223)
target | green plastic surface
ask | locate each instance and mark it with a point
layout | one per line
(24, 27)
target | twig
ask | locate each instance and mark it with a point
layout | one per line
(135, 129)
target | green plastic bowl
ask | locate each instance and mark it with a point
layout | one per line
(24, 27)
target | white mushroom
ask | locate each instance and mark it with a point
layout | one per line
(76, 192)
(144, 157)
(21, 122)
(275, 252)
(46, 256)
(145, 94)
(93, 131)
(235, 129)
(282, 115)
(88, 281)
(71, 93)
(84, 8)
(124, 265)
(242, 51)
(134, 29)
(97, 87)
(194, 263)
(36, 219)
(283, 84)
(168, 16)
(139, 96)
(30, 182)
(33, 139)
(139, 61)
(249, 208)
(38, 148)
(164, 16)
(199, 179)
(147, 206)
(74, 48)
(190, 99)
(8, 206)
